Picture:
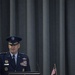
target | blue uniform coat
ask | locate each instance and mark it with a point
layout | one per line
(6, 64)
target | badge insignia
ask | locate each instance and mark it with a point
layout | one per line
(24, 58)
(6, 68)
(24, 63)
(15, 70)
(6, 61)
(23, 70)
(13, 38)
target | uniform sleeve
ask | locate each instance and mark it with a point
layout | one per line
(28, 65)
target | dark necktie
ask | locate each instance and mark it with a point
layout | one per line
(13, 59)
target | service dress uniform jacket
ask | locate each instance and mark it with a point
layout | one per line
(6, 64)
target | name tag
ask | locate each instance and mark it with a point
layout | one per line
(6, 64)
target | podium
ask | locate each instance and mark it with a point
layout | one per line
(24, 73)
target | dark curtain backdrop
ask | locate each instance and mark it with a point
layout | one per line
(47, 28)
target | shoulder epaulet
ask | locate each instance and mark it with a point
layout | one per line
(22, 53)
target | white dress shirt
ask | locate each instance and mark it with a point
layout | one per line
(15, 57)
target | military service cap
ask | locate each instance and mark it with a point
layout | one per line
(13, 40)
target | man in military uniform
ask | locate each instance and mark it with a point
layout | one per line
(13, 61)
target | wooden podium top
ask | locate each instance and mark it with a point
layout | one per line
(24, 73)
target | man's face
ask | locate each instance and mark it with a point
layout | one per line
(13, 48)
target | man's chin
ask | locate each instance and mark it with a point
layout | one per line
(13, 52)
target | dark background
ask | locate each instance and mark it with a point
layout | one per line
(47, 28)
